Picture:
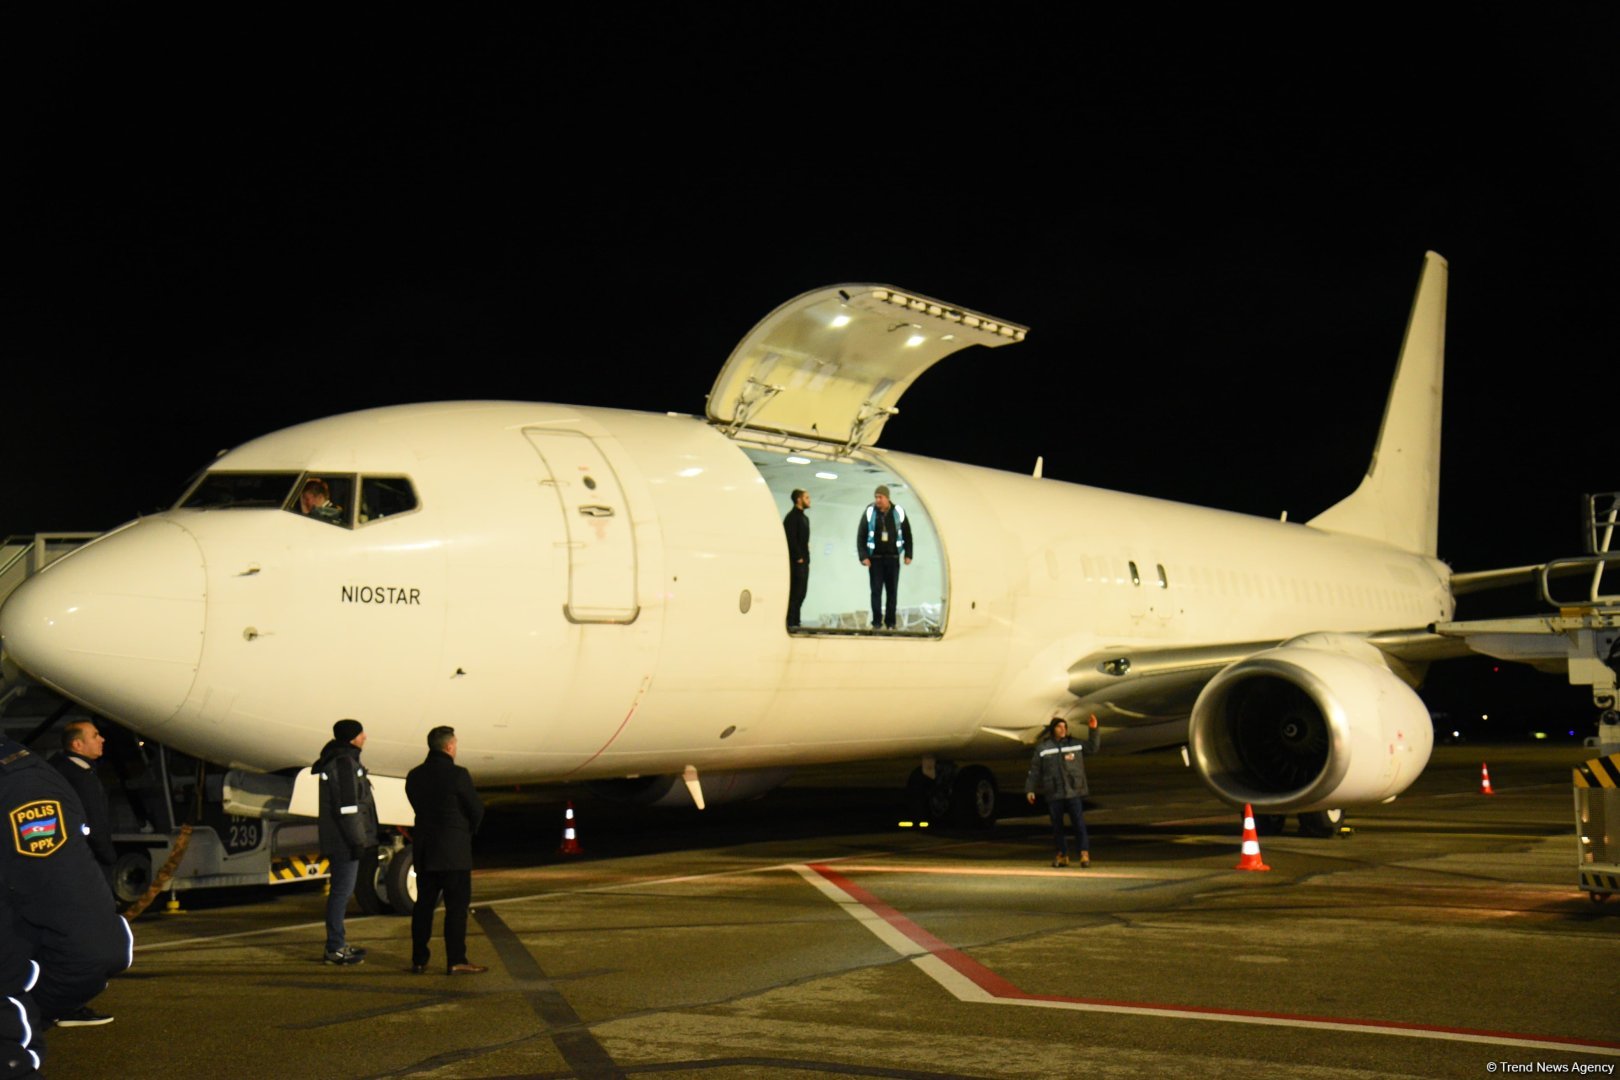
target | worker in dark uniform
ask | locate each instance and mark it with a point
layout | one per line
(1057, 770)
(448, 812)
(797, 527)
(348, 830)
(82, 745)
(60, 939)
(882, 541)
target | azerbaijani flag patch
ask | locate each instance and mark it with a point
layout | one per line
(36, 828)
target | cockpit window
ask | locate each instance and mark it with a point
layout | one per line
(239, 491)
(385, 496)
(325, 498)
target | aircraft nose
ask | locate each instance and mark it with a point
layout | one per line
(116, 625)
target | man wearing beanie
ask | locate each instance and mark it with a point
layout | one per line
(348, 824)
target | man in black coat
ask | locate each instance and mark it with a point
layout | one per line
(60, 940)
(81, 749)
(448, 812)
(797, 527)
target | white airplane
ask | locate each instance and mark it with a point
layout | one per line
(589, 594)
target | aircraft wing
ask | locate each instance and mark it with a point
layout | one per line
(1151, 685)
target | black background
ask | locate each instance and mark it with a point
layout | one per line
(222, 226)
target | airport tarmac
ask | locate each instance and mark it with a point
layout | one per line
(805, 934)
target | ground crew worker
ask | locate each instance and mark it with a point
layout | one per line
(882, 542)
(1057, 770)
(348, 830)
(61, 939)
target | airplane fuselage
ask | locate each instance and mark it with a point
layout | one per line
(621, 612)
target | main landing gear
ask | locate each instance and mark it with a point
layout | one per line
(964, 798)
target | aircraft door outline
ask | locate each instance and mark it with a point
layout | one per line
(601, 537)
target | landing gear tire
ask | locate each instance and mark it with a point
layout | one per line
(927, 800)
(1321, 823)
(131, 876)
(400, 878)
(370, 891)
(1270, 824)
(973, 798)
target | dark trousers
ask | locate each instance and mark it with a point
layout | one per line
(456, 887)
(1077, 814)
(798, 585)
(885, 575)
(344, 873)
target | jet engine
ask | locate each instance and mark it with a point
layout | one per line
(1318, 722)
(670, 790)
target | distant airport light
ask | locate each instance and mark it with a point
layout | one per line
(826, 476)
(840, 321)
(1538, 735)
(794, 459)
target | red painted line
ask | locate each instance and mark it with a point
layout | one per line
(1000, 988)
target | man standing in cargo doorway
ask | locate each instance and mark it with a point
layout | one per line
(882, 540)
(797, 527)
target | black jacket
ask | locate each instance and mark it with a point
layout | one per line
(87, 784)
(871, 527)
(448, 812)
(55, 907)
(797, 527)
(1057, 768)
(348, 813)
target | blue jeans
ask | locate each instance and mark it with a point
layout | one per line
(1077, 814)
(345, 872)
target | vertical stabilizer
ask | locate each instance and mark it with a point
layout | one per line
(1398, 500)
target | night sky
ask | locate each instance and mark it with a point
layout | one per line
(220, 228)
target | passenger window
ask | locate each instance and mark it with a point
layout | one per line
(325, 498)
(385, 496)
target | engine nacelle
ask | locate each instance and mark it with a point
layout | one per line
(1317, 723)
(670, 790)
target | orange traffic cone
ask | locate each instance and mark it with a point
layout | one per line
(570, 842)
(1251, 843)
(1485, 780)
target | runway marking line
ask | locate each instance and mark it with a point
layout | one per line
(968, 980)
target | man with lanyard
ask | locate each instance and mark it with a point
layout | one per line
(882, 540)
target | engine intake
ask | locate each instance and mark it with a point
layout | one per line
(1318, 722)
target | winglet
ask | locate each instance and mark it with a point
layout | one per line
(1398, 500)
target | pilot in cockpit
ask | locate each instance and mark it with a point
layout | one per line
(316, 502)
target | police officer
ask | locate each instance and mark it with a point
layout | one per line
(448, 811)
(82, 745)
(62, 940)
(348, 828)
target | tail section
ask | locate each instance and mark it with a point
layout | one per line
(1398, 500)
